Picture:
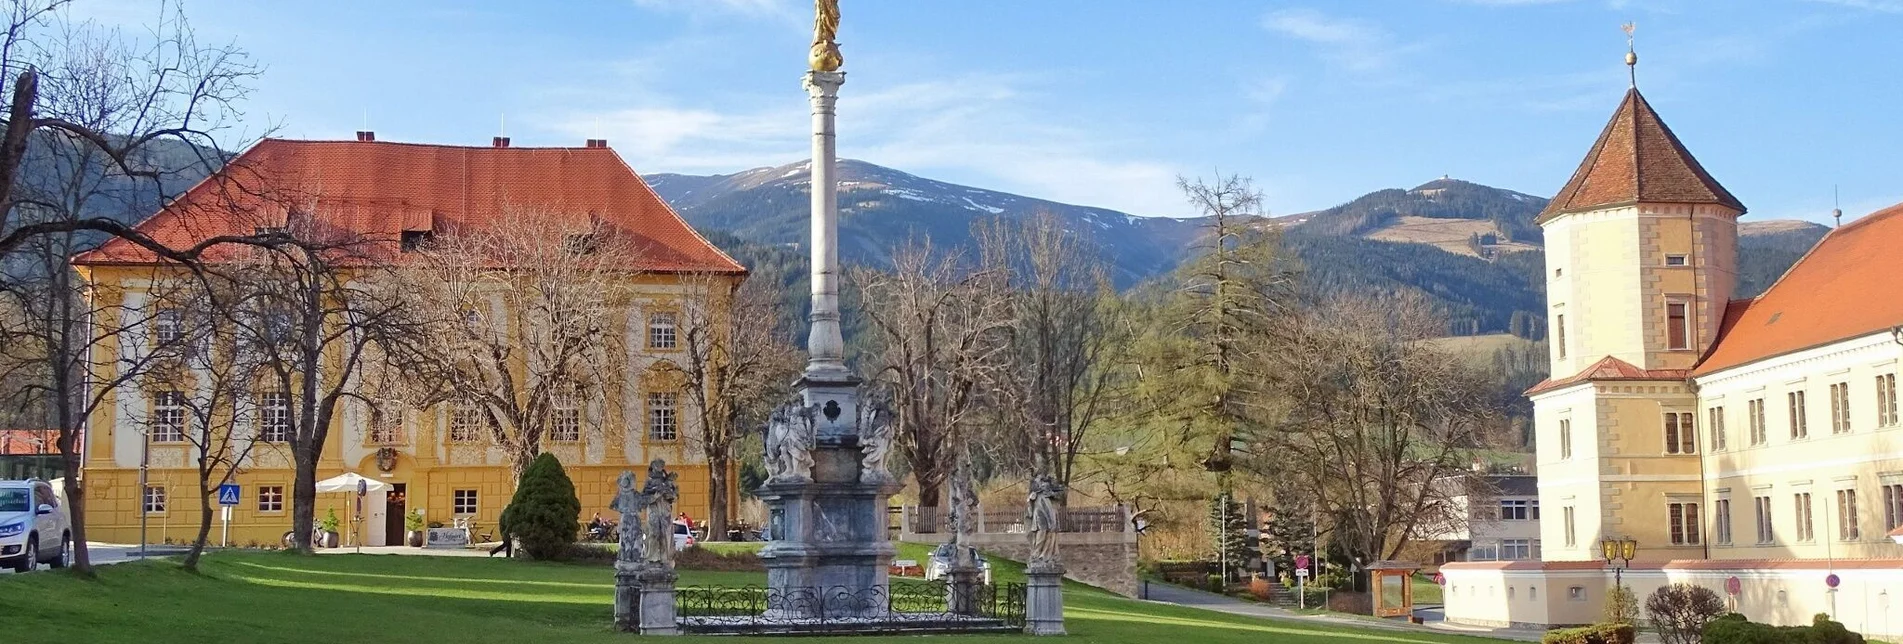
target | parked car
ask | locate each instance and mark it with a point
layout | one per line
(34, 528)
(940, 563)
(683, 536)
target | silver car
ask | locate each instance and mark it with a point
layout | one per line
(34, 528)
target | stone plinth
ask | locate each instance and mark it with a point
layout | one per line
(627, 598)
(1044, 599)
(656, 612)
(961, 593)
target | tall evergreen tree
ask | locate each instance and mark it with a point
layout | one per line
(545, 513)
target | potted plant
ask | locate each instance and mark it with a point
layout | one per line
(329, 528)
(415, 524)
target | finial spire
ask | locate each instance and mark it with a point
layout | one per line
(1631, 55)
(1836, 206)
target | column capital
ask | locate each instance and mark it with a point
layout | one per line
(826, 83)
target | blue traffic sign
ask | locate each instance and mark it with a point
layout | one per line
(228, 494)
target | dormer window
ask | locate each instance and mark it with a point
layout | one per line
(415, 240)
(1676, 260)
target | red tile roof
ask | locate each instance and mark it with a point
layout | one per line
(382, 188)
(1637, 158)
(1847, 286)
(1609, 368)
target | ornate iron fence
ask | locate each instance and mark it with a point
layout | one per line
(933, 605)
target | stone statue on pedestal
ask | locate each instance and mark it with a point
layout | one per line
(789, 444)
(630, 502)
(660, 493)
(1044, 520)
(875, 442)
(964, 514)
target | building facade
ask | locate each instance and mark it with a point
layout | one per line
(1746, 444)
(438, 459)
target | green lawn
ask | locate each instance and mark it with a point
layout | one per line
(273, 597)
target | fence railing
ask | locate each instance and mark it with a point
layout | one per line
(931, 520)
(900, 605)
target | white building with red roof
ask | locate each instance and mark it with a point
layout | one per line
(1752, 446)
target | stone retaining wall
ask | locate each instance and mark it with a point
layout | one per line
(1111, 566)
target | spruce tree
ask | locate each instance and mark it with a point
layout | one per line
(1231, 534)
(545, 513)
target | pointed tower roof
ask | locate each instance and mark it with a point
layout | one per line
(1637, 159)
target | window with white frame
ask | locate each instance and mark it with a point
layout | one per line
(1559, 335)
(1676, 260)
(1754, 417)
(270, 498)
(1716, 421)
(386, 422)
(663, 330)
(1848, 527)
(1518, 509)
(154, 499)
(465, 423)
(1801, 508)
(1765, 532)
(1516, 549)
(1565, 438)
(1886, 400)
(1567, 514)
(274, 417)
(168, 417)
(1680, 436)
(168, 327)
(1678, 326)
(463, 502)
(1684, 523)
(564, 415)
(1800, 419)
(1840, 408)
(1721, 521)
(663, 419)
(1892, 506)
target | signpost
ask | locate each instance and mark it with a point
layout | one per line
(1301, 581)
(356, 522)
(227, 497)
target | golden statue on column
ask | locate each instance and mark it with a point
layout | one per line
(825, 56)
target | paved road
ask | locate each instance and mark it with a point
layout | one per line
(111, 553)
(1171, 594)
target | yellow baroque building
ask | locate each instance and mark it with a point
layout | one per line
(402, 192)
(1751, 446)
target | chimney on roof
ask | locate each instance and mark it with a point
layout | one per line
(366, 135)
(597, 143)
(500, 142)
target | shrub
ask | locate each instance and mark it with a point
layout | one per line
(544, 514)
(330, 522)
(1622, 607)
(1594, 634)
(1215, 584)
(413, 521)
(1734, 629)
(698, 558)
(1679, 612)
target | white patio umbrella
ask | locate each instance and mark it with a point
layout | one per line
(347, 483)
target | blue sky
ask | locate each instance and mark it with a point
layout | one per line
(1105, 102)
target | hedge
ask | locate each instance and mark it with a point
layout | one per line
(1594, 634)
(1735, 629)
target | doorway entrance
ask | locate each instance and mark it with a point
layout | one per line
(394, 503)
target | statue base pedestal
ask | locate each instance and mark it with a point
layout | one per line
(627, 598)
(1044, 599)
(961, 591)
(656, 612)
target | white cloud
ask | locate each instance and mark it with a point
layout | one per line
(1352, 44)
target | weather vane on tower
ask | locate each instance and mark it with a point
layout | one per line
(1631, 54)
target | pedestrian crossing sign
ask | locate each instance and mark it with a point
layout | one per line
(228, 494)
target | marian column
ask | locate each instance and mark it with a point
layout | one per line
(827, 486)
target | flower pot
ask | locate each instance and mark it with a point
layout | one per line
(329, 539)
(416, 538)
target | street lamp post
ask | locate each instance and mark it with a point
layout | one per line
(1622, 551)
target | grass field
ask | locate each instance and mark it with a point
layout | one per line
(257, 597)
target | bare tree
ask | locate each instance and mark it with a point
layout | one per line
(937, 329)
(523, 316)
(312, 329)
(735, 362)
(1066, 345)
(212, 407)
(1377, 422)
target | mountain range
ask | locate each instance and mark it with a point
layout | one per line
(1471, 248)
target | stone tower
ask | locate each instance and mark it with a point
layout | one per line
(1641, 260)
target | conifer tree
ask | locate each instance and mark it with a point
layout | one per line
(544, 514)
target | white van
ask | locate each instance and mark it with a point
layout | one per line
(34, 528)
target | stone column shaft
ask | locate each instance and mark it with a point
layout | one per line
(824, 343)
